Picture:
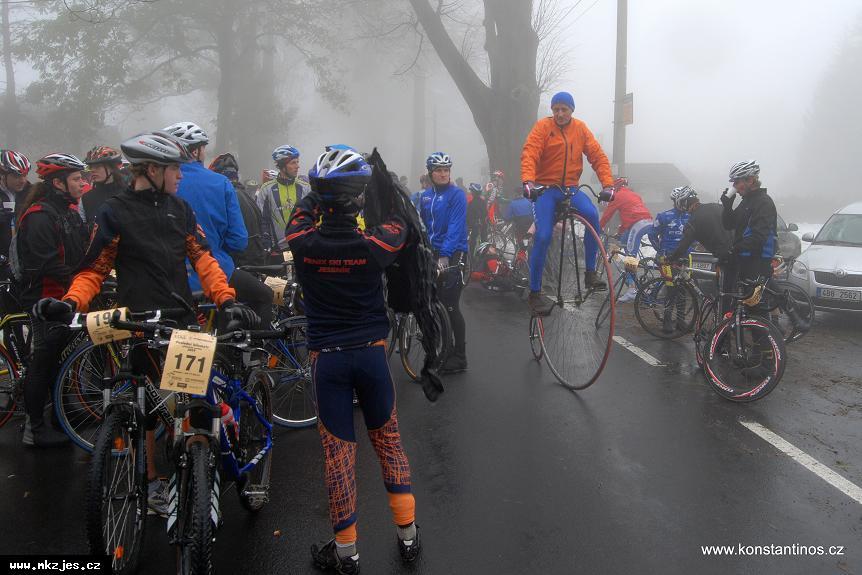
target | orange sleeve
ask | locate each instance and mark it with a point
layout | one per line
(88, 282)
(211, 275)
(532, 152)
(598, 159)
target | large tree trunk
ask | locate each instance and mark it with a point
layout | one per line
(227, 59)
(505, 111)
(11, 106)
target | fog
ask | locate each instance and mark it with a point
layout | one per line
(714, 82)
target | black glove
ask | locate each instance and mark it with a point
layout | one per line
(607, 194)
(530, 191)
(50, 309)
(726, 200)
(239, 313)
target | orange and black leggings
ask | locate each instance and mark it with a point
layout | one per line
(336, 374)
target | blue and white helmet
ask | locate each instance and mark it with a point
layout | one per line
(682, 196)
(476, 188)
(188, 132)
(744, 169)
(438, 160)
(285, 152)
(339, 175)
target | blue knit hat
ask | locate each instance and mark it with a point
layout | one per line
(563, 98)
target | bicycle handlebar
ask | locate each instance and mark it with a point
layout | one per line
(151, 326)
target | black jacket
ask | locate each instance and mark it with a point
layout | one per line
(51, 242)
(147, 236)
(705, 226)
(755, 225)
(92, 201)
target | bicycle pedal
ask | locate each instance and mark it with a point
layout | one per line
(257, 494)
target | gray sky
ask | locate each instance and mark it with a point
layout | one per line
(714, 81)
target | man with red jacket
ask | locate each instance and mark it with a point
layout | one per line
(635, 223)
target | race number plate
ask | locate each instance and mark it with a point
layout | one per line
(839, 294)
(188, 362)
(99, 326)
(288, 255)
(277, 285)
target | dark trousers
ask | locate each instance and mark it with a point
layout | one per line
(49, 339)
(449, 293)
(253, 293)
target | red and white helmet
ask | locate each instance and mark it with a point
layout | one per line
(12, 162)
(54, 165)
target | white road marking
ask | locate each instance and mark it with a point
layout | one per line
(849, 489)
(638, 351)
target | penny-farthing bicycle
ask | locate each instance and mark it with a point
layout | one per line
(571, 339)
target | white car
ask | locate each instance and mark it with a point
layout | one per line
(830, 270)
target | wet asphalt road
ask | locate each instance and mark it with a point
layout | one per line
(514, 474)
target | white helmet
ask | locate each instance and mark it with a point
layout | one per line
(745, 169)
(190, 133)
(682, 196)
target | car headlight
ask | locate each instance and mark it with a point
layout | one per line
(799, 270)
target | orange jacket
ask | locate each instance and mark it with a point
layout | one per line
(554, 155)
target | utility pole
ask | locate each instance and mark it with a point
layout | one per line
(619, 155)
(11, 107)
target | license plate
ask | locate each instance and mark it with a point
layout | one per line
(707, 266)
(839, 294)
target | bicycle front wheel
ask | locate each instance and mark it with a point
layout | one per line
(745, 362)
(194, 553)
(289, 367)
(666, 311)
(116, 503)
(575, 343)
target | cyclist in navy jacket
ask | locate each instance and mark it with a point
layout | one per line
(443, 208)
(341, 272)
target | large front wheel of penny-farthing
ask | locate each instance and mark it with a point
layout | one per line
(576, 344)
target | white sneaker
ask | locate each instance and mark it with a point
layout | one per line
(628, 296)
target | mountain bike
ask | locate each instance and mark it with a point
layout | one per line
(572, 340)
(233, 420)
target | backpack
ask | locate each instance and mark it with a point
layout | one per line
(258, 241)
(14, 258)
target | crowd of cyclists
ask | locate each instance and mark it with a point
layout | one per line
(165, 224)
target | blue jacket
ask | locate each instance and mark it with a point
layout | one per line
(667, 230)
(216, 208)
(519, 207)
(444, 213)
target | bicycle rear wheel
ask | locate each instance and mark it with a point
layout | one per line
(666, 311)
(289, 367)
(116, 503)
(410, 341)
(576, 345)
(10, 387)
(748, 367)
(536, 330)
(803, 309)
(253, 488)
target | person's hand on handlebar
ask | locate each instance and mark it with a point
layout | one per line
(51, 309)
(607, 194)
(242, 314)
(530, 191)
